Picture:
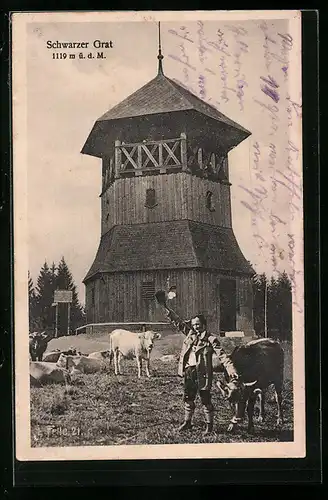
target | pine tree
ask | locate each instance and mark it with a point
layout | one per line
(273, 308)
(32, 306)
(53, 274)
(65, 281)
(284, 303)
(259, 284)
(44, 298)
(279, 305)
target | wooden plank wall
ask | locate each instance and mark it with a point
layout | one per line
(90, 310)
(178, 196)
(244, 319)
(118, 296)
(225, 206)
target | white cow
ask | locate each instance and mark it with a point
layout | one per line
(132, 345)
(45, 373)
(102, 355)
(52, 356)
(80, 364)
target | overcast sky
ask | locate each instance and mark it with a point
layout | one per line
(242, 68)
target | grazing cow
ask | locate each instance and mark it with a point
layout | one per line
(46, 373)
(132, 345)
(102, 355)
(72, 351)
(38, 344)
(260, 363)
(80, 364)
(52, 356)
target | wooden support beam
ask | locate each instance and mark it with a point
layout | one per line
(118, 158)
(139, 156)
(184, 159)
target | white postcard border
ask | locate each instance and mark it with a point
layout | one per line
(24, 451)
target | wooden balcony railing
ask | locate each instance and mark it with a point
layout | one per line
(164, 156)
(150, 155)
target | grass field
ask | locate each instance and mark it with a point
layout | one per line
(104, 409)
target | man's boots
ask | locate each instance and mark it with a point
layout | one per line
(189, 411)
(209, 418)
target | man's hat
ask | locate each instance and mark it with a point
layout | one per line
(161, 297)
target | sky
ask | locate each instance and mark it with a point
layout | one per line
(244, 68)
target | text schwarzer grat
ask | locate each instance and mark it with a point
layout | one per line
(97, 44)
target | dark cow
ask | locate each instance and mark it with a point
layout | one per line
(260, 363)
(53, 356)
(38, 344)
(72, 351)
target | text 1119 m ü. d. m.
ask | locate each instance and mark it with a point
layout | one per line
(80, 55)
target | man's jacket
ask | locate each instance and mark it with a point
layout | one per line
(204, 347)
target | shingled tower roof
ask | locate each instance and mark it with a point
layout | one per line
(204, 247)
(160, 96)
(163, 95)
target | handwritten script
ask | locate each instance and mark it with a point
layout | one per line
(245, 69)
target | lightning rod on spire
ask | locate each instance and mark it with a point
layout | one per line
(160, 57)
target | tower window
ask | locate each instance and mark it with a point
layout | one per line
(148, 290)
(93, 297)
(209, 201)
(200, 157)
(213, 161)
(150, 198)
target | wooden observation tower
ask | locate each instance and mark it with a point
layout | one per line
(166, 211)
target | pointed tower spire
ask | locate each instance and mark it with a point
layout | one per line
(160, 57)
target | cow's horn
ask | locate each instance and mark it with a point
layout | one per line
(250, 384)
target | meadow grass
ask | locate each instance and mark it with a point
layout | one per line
(104, 409)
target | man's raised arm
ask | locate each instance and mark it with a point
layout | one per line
(183, 326)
